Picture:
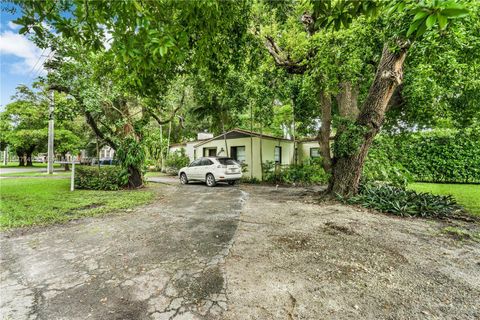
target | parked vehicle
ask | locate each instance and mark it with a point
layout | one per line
(211, 170)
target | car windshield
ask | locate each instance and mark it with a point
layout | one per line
(227, 161)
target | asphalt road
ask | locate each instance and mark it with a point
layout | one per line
(160, 261)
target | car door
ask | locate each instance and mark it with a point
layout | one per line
(204, 168)
(192, 170)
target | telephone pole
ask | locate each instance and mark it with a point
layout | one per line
(50, 134)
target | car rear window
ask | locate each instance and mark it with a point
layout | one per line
(227, 161)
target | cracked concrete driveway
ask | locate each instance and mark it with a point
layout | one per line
(161, 261)
(248, 252)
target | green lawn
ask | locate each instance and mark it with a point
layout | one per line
(151, 174)
(36, 201)
(468, 195)
(35, 165)
(36, 174)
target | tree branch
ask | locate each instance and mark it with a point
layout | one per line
(93, 124)
(174, 112)
(282, 60)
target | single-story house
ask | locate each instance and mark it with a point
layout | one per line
(252, 149)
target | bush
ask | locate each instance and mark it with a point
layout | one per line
(428, 156)
(176, 160)
(308, 173)
(105, 178)
(402, 202)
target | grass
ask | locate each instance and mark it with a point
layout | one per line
(151, 174)
(26, 202)
(467, 195)
(36, 174)
(35, 165)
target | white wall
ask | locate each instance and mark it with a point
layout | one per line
(253, 158)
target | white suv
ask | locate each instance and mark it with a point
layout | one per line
(211, 170)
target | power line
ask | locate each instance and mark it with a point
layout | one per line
(48, 57)
(38, 60)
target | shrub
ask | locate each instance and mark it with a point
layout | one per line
(105, 178)
(402, 202)
(307, 173)
(429, 156)
(176, 160)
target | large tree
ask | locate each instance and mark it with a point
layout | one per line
(144, 44)
(353, 52)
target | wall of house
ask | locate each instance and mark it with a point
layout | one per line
(188, 147)
(268, 147)
(176, 148)
(304, 150)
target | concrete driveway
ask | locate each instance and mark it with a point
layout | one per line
(243, 252)
(161, 261)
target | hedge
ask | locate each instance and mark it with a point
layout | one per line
(445, 156)
(105, 178)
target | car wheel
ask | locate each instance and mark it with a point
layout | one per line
(183, 179)
(233, 182)
(210, 180)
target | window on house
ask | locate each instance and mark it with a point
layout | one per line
(238, 154)
(314, 152)
(209, 152)
(278, 155)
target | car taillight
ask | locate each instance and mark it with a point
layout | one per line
(222, 166)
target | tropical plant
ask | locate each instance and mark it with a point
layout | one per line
(402, 202)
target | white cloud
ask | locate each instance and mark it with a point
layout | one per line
(13, 44)
(13, 26)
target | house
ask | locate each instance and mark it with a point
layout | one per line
(189, 146)
(253, 149)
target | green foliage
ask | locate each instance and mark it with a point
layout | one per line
(430, 156)
(405, 203)
(349, 138)
(380, 167)
(105, 178)
(304, 174)
(131, 153)
(177, 160)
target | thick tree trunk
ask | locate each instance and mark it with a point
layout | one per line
(29, 162)
(347, 170)
(21, 159)
(347, 101)
(135, 178)
(324, 131)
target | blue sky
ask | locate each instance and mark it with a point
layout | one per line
(21, 61)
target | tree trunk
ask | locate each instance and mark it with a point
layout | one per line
(135, 178)
(347, 101)
(21, 159)
(29, 160)
(65, 165)
(347, 169)
(324, 131)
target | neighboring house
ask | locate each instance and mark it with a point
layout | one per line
(189, 146)
(106, 153)
(252, 149)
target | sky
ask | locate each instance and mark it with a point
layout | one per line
(21, 61)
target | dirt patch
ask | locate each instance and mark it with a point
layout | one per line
(334, 228)
(201, 286)
(294, 241)
(303, 260)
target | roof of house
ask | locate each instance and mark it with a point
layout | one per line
(240, 133)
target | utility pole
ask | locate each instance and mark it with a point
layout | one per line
(50, 134)
(5, 156)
